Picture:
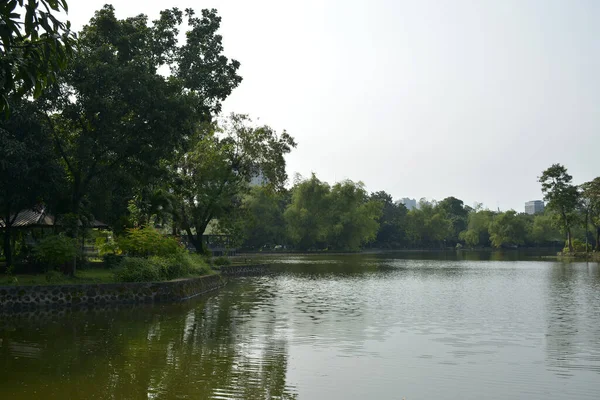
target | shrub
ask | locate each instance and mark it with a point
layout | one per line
(55, 251)
(578, 246)
(54, 276)
(146, 242)
(136, 269)
(112, 260)
(106, 244)
(220, 261)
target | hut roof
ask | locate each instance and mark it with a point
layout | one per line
(39, 218)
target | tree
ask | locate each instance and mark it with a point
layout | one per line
(562, 197)
(353, 217)
(307, 215)
(544, 230)
(392, 222)
(262, 222)
(507, 229)
(429, 225)
(458, 215)
(212, 177)
(477, 232)
(28, 171)
(591, 195)
(114, 111)
(34, 46)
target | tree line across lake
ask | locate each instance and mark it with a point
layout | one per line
(314, 215)
(122, 123)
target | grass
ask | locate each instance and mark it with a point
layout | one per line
(91, 275)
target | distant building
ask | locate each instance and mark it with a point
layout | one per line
(534, 207)
(409, 203)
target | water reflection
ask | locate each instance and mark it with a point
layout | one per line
(337, 327)
(184, 351)
(573, 333)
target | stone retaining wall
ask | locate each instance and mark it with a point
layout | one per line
(25, 297)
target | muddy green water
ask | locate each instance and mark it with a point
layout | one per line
(342, 327)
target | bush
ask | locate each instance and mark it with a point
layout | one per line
(220, 261)
(578, 246)
(54, 277)
(106, 244)
(56, 251)
(112, 260)
(136, 269)
(147, 242)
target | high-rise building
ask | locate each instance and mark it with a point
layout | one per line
(408, 203)
(534, 207)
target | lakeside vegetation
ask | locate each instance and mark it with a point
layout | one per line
(93, 128)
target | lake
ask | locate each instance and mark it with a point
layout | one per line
(409, 325)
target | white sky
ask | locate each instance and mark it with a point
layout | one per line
(471, 99)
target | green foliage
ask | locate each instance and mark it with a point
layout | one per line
(341, 216)
(428, 226)
(214, 175)
(115, 116)
(54, 276)
(392, 222)
(353, 218)
(545, 229)
(477, 232)
(146, 242)
(220, 261)
(112, 260)
(507, 229)
(34, 47)
(562, 197)
(55, 251)
(29, 173)
(137, 269)
(579, 246)
(306, 217)
(591, 197)
(106, 244)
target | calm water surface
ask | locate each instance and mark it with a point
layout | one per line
(346, 327)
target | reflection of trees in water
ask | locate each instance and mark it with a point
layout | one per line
(573, 331)
(195, 350)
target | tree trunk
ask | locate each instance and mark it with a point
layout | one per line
(598, 238)
(7, 247)
(569, 240)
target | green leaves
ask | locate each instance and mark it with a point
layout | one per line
(562, 196)
(34, 47)
(341, 216)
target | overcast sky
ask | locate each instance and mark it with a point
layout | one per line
(471, 99)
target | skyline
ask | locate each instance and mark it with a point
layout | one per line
(464, 99)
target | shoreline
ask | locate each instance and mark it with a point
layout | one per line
(19, 298)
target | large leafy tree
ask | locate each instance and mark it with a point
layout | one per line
(35, 46)
(307, 215)
(353, 217)
(562, 197)
(544, 230)
(507, 229)
(458, 215)
(261, 220)
(429, 226)
(212, 177)
(115, 111)
(29, 174)
(392, 222)
(477, 232)
(591, 196)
